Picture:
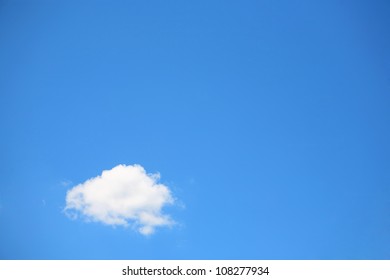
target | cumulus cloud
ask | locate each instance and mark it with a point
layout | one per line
(125, 196)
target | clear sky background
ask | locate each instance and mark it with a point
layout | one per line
(268, 120)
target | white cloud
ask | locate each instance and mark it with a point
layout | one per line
(65, 183)
(125, 195)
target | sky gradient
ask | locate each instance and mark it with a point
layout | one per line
(267, 120)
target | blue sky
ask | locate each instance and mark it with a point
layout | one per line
(267, 120)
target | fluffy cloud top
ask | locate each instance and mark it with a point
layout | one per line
(125, 195)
